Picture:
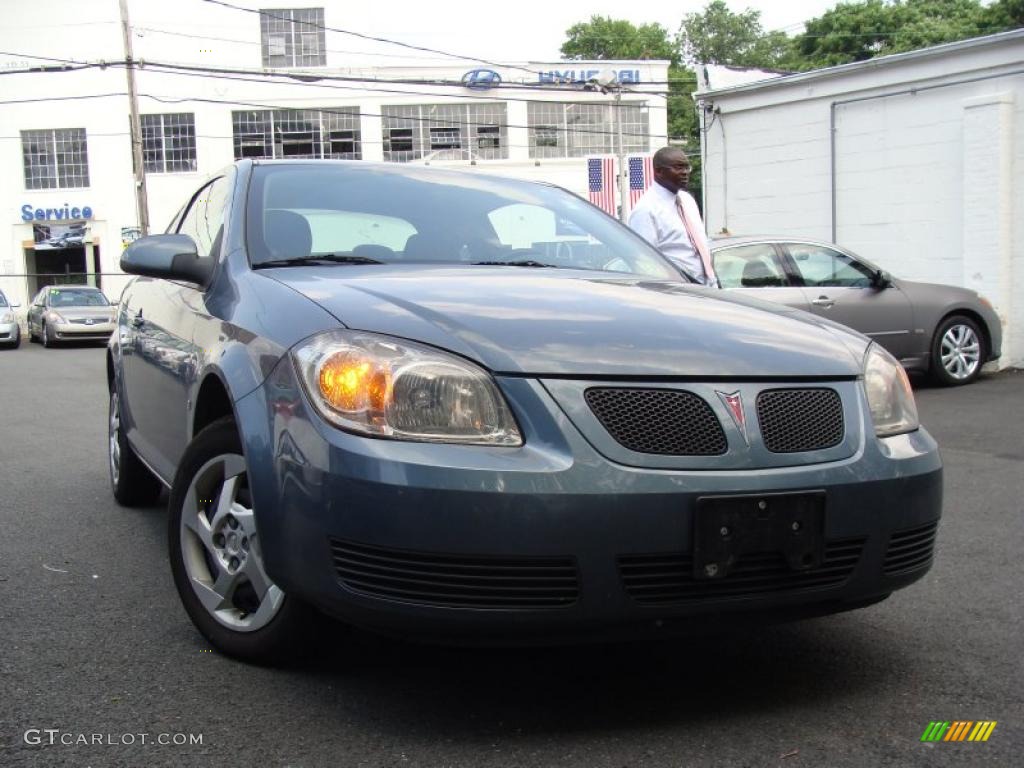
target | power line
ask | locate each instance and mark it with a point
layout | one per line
(372, 38)
(369, 85)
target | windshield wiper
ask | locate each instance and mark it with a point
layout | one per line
(324, 258)
(526, 263)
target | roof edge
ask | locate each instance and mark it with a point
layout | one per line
(857, 66)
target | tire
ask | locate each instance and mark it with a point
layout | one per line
(17, 340)
(48, 341)
(132, 484)
(958, 351)
(32, 338)
(215, 555)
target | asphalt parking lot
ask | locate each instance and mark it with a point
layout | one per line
(99, 664)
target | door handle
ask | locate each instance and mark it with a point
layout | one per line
(823, 301)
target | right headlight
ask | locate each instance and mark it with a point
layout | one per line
(889, 394)
(56, 317)
(386, 387)
(7, 317)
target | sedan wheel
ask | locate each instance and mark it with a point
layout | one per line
(957, 351)
(130, 481)
(216, 557)
(47, 339)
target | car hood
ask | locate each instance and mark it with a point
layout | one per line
(572, 323)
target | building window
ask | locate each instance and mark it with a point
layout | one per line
(55, 159)
(576, 130)
(293, 37)
(305, 133)
(445, 132)
(169, 143)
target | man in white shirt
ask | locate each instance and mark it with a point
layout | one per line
(668, 218)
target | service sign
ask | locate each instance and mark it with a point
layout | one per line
(65, 213)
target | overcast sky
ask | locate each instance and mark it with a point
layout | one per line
(530, 29)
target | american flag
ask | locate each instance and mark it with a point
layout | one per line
(601, 183)
(641, 174)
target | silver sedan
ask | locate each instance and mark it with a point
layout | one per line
(70, 313)
(947, 331)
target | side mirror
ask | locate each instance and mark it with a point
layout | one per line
(881, 279)
(15, 306)
(172, 257)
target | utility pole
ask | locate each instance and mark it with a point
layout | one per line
(141, 199)
(623, 171)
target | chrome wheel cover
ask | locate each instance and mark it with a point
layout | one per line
(960, 351)
(220, 548)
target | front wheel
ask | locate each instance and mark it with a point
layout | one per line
(957, 351)
(216, 554)
(47, 338)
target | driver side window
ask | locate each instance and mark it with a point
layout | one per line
(204, 221)
(823, 267)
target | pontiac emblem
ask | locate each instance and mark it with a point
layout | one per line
(734, 402)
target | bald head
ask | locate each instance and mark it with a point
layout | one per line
(671, 168)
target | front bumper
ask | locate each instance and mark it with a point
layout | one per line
(82, 331)
(9, 332)
(552, 539)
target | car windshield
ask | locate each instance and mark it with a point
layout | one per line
(3, 300)
(77, 298)
(351, 214)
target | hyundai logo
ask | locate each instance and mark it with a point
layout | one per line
(481, 79)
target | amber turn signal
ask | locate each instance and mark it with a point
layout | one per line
(351, 382)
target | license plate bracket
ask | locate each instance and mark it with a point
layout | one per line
(726, 527)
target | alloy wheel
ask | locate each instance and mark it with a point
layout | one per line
(114, 428)
(220, 548)
(960, 351)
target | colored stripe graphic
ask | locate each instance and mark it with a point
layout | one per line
(982, 731)
(935, 731)
(958, 730)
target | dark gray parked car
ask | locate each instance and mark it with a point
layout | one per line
(947, 331)
(468, 407)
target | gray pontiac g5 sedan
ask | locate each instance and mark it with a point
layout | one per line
(480, 410)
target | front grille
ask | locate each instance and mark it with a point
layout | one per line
(794, 420)
(456, 581)
(910, 549)
(660, 579)
(660, 421)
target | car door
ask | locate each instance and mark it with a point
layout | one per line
(843, 289)
(161, 314)
(757, 269)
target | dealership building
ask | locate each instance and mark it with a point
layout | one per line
(224, 84)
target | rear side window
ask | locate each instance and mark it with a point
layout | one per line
(749, 266)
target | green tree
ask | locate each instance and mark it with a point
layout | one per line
(1004, 14)
(716, 35)
(606, 38)
(862, 30)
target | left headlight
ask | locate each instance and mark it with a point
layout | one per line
(889, 394)
(385, 387)
(7, 317)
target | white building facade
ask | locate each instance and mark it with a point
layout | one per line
(227, 84)
(915, 161)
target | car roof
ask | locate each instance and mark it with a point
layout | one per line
(719, 241)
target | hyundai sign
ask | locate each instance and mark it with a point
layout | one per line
(481, 79)
(622, 76)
